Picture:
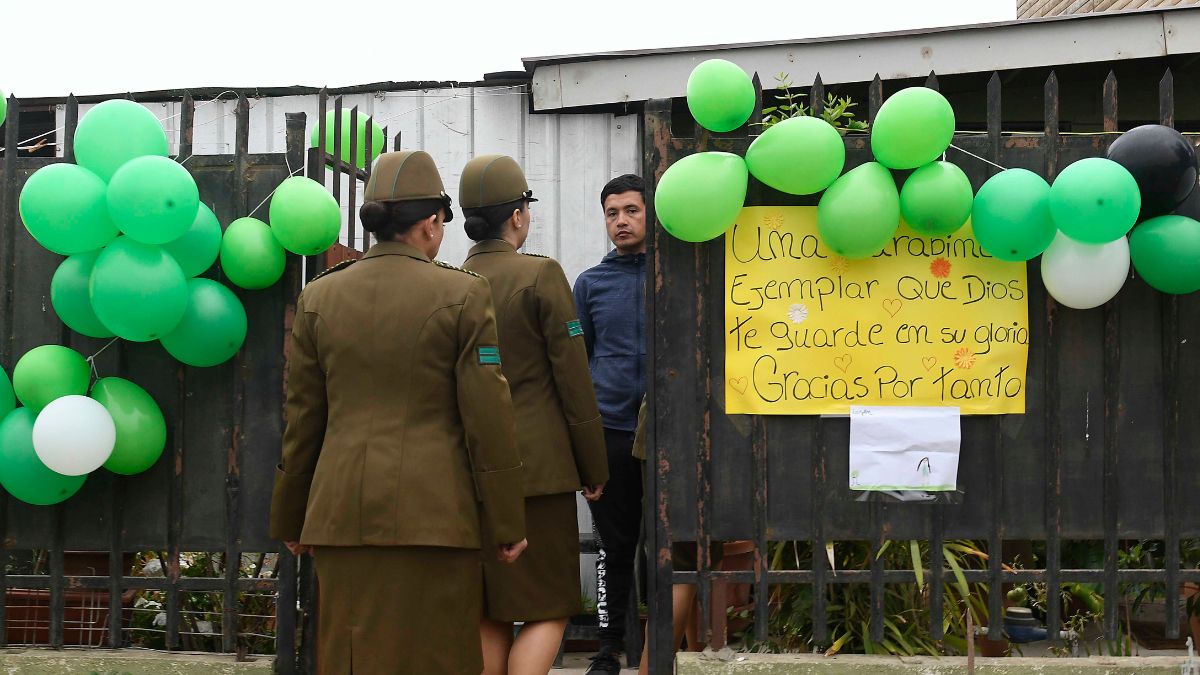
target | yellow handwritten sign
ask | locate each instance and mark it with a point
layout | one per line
(930, 321)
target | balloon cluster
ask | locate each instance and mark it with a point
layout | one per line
(1079, 224)
(138, 238)
(361, 155)
(60, 434)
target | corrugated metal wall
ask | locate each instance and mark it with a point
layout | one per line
(567, 160)
(1029, 9)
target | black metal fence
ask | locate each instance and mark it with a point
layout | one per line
(1105, 451)
(208, 497)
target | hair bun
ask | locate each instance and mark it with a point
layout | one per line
(374, 216)
(477, 227)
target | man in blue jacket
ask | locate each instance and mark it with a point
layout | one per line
(610, 299)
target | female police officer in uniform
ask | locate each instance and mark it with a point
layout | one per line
(399, 452)
(559, 432)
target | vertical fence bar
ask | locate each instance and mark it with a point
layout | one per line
(874, 102)
(187, 117)
(1053, 430)
(396, 142)
(233, 469)
(9, 194)
(657, 126)
(368, 140)
(1112, 395)
(285, 604)
(701, 267)
(338, 121)
(1170, 343)
(352, 184)
(316, 171)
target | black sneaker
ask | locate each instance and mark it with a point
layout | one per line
(605, 661)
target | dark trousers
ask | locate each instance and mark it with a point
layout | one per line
(618, 517)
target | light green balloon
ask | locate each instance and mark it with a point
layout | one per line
(22, 473)
(936, 199)
(913, 128)
(65, 209)
(360, 141)
(858, 215)
(1095, 201)
(115, 132)
(305, 218)
(153, 199)
(70, 297)
(701, 195)
(1011, 215)
(138, 290)
(47, 373)
(799, 156)
(198, 248)
(141, 429)
(212, 330)
(3, 106)
(251, 257)
(720, 95)
(8, 400)
(1166, 253)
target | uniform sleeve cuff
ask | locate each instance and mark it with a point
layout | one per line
(503, 495)
(591, 456)
(289, 500)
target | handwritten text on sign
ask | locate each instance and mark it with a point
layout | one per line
(930, 321)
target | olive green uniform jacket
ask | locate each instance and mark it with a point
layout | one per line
(559, 432)
(399, 421)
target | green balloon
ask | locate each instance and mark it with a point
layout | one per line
(251, 257)
(8, 400)
(141, 429)
(936, 199)
(701, 195)
(799, 156)
(360, 142)
(1011, 215)
(65, 209)
(720, 95)
(70, 298)
(1166, 253)
(22, 473)
(115, 132)
(305, 218)
(153, 199)
(913, 128)
(48, 373)
(3, 106)
(138, 290)
(1095, 200)
(858, 215)
(212, 330)
(198, 248)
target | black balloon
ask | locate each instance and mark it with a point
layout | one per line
(1162, 161)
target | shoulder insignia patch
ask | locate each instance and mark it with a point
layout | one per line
(574, 329)
(489, 356)
(340, 266)
(448, 266)
(535, 255)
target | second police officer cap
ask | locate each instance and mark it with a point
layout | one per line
(491, 180)
(407, 176)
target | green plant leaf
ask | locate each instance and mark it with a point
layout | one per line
(914, 549)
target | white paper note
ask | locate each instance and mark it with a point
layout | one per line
(904, 448)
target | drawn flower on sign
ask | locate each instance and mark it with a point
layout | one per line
(773, 220)
(964, 358)
(797, 313)
(940, 268)
(839, 264)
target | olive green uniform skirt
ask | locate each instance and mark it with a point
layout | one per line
(404, 609)
(543, 584)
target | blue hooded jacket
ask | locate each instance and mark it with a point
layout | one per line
(611, 302)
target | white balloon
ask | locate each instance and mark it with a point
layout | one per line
(1083, 276)
(74, 435)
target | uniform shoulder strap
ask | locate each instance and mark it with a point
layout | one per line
(340, 266)
(448, 266)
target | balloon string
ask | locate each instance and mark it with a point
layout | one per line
(264, 201)
(982, 159)
(92, 359)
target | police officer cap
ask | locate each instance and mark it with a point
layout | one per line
(407, 176)
(490, 180)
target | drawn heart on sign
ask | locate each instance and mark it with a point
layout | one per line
(892, 306)
(929, 362)
(739, 384)
(843, 362)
